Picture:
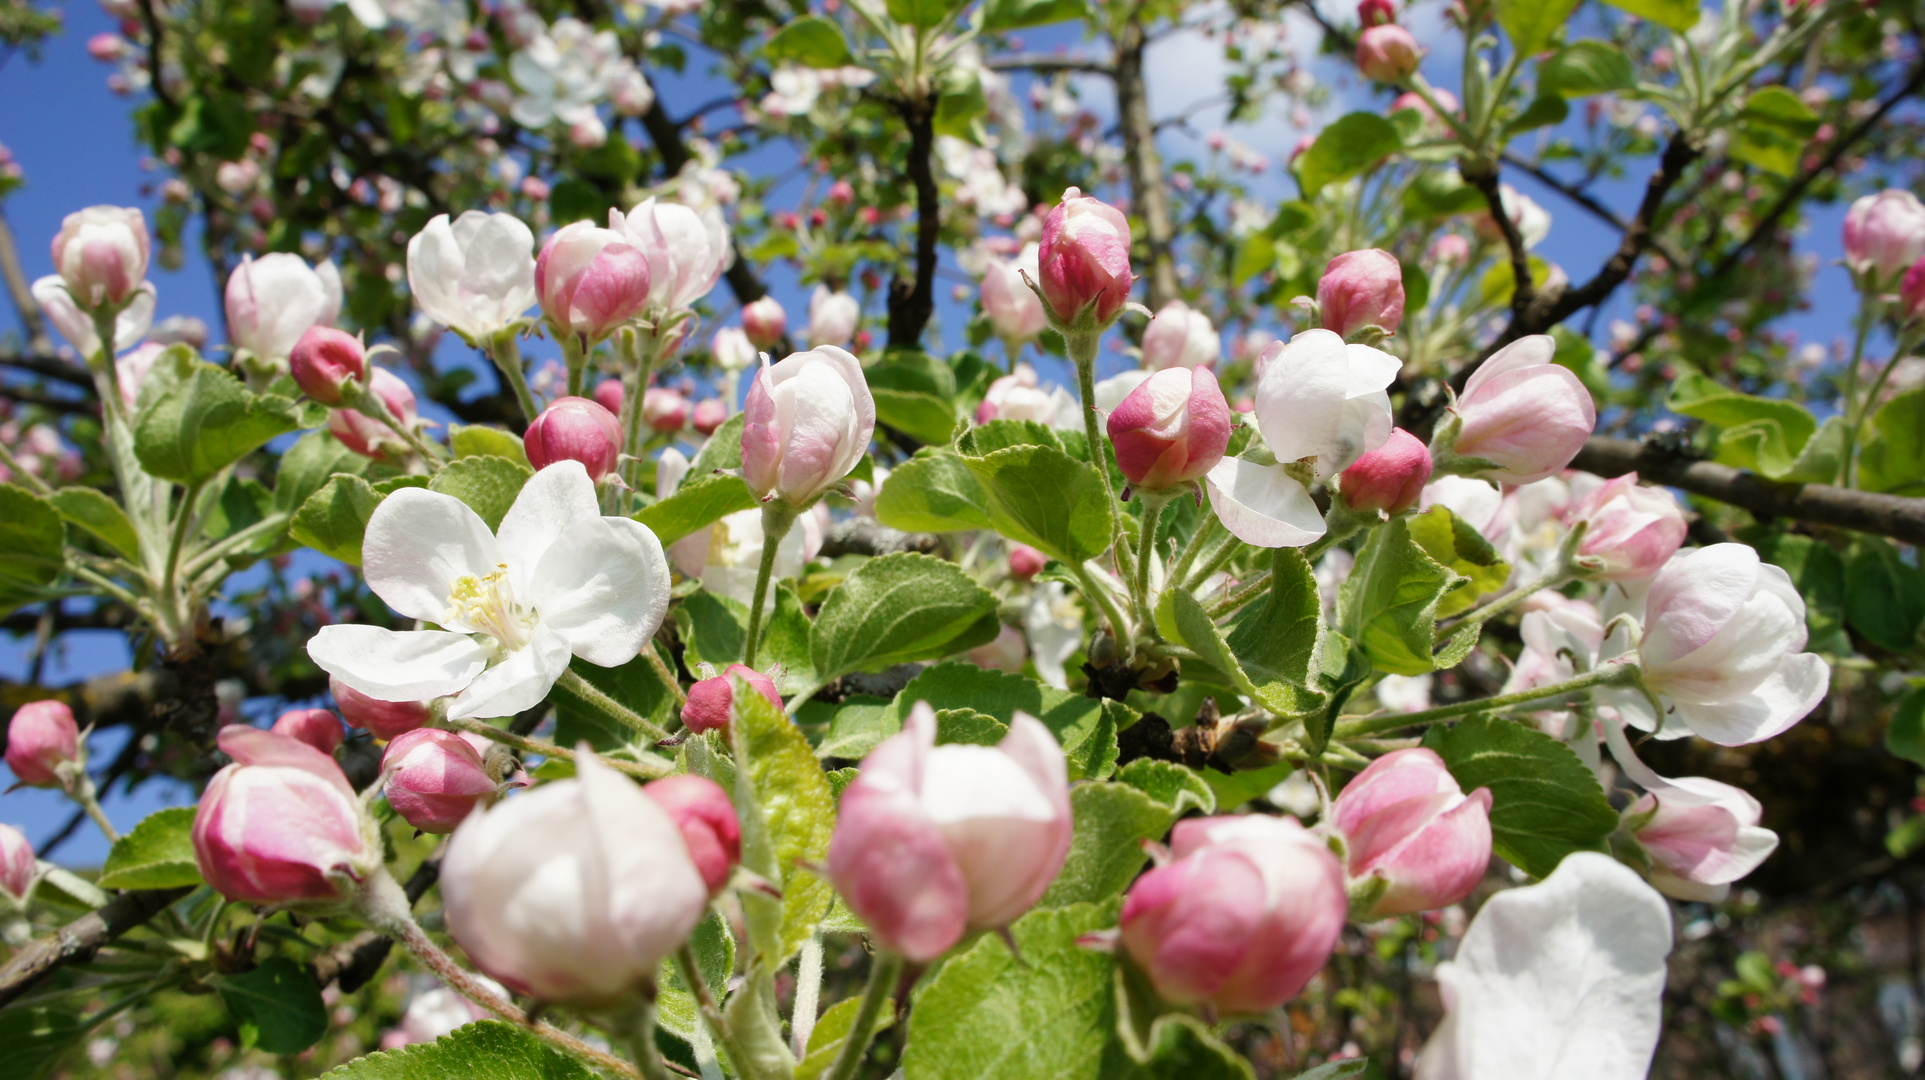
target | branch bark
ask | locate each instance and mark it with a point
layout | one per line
(15, 275)
(80, 939)
(1148, 194)
(912, 303)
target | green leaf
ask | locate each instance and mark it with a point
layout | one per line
(696, 505)
(981, 440)
(1042, 497)
(723, 449)
(1499, 282)
(899, 608)
(488, 484)
(1774, 129)
(855, 725)
(476, 440)
(635, 684)
(308, 464)
(334, 519)
(914, 393)
(158, 854)
(1583, 68)
(206, 423)
(485, 1050)
(242, 503)
(1388, 604)
(1440, 194)
(1544, 803)
(32, 542)
(1531, 24)
(1081, 724)
(1000, 16)
(1197, 630)
(1232, 790)
(1905, 737)
(714, 947)
(1276, 638)
(1350, 145)
(831, 1031)
(277, 1005)
(933, 491)
(795, 807)
(1464, 551)
(1105, 852)
(1544, 111)
(719, 628)
(921, 13)
(1764, 435)
(1169, 783)
(1893, 456)
(967, 727)
(93, 511)
(1884, 595)
(34, 1038)
(1679, 15)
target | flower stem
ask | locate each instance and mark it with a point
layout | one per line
(587, 693)
(1097, 594)
(1206, 534)
(641, 1039)
(808, 993)
(1485, 612)
(1372, 725)
(505, 350)
(83, 793)
(641, 771)
(1145, 555)
(1848, 407)
(883, 973)
(1082, 350)
(668, 677)
(777, 517)
(710, 1012)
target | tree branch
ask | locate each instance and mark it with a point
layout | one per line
(1148, 190)
(80, 939)
(1050, 65)
(1483, 177)
(912, 303)
(15, 275)
(44, 362)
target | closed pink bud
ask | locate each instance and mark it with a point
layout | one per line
(710, 700)
(436, 779)
(101, 253)
(1631, 531)
(1387, 53)
(842, 193)
(1701, 835)
(702, 810)
(1026, 562)
(590, 280)
(732, 349)
(1014, 310)
(935, 841)
(1248, 912)
(1180, 336)
(575, 429)
(41, 738)
(318, 728)
(1359, 289)
(107, 47)
(1390, 478)
(1376, 12)
(1884, 234)
(17, 863)
(708, 415)
(1405, 820)
(385, 720)
(664, 410)
(809, 419)
(325, 360)
(281, 825)
(833, 317)
(764, 321)
(369, 437)
(1172, 429)
(1911, 293)
(1449, 249)
(610, 395)
(1525, 415)
(1084, 260)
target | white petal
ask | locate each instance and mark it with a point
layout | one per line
(397, 665)
(519, 682)
(1522, 353)
(604, 588)
(418, 542)
(556, 500)
(1300, 398)
(1782, 700)
(670, 469)
(1263, 504)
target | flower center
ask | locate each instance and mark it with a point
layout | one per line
(487, 603)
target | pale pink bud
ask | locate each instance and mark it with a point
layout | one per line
(1362, 288)
(809, 420)
(935, 841)
(1084, 261)
(710, 700)
(1387, 53)
(1416, 101)
(764, 321)
(1180, 336)
(1632, 530)
(1172, 429)
(833, 317)
(664, 410)
(1911, 295)
(733, 350)
(590, 280)
(575, 429)
(1524, 414)
(436, 779)
(1405, 820)
(1006, 653)
(101, 253)
(1376, 12)
(1885, 233)
(842, 193)
(1390, 478)
(40, 739)
(1025, 562)
(610, 395)
(281, 824)
(1701, 835)
(382, 719)
(706, 817)
(686, 252)
(367, 436)
(131, 371)
(325, 360)
(1449, 249)
(1015, 311)
(17, 863)
(1250, 909)
(709, 414)
(107, 47)
(318, 728)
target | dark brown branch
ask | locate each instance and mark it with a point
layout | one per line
(1050, 65)
(53, 367)
(15, 276)
(1483, 177)
(1583, 199)
(911, 303)
(1149, 191)
(80, 939)
(29, 396)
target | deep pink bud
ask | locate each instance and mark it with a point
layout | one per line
(702, 810)
(1249, 911)
(325, 360)
(41, 738)
(1405, 820)
(318, 728)
(664, 410)
(369, 437)
(1525, 415)
(1084, 260)
(1885, 234)
(1632, 530)
(590, 279)
(709, 414)
(1387, 53)
(710, 700)
(1026, 562)
(1390, 478)
(436, 779)
(1172, 429)
(384, 720)
(575, 429)
(1376, 12)
(609, 395)
(281, 824)
(1911, 294)
(842, 193)
(17, 863)
(1359, 289)
(764, 321)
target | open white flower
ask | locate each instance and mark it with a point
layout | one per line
(475, 275)
(559, 579)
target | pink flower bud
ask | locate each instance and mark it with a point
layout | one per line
(1911, 294)
(709, 414)
(17, 863)
(575, 429)
(1006, 653)
(1701, 836)
(1026, 562)
(1387, 53)
(318, 728)
(40, 739)
(101, 253)
(1180, 336)
(281, 824)
(935, 841)
(325, 360)
(809, 420)
(1390, 478)
(1362, 288)
(610, 395)
(764, 321)
(1249, 911)
(1376, 12)
(384, 720)
(833, 317)
(1449, 249)
(1172, 429)
(710, 700)
(664, 410)
(1884, 234)
(590, 280)
(436, 779)
(732, 349)
(107, 47)
(702, 810)
(1015, 311)
(1525, 415)
(1416, 101)
(1405, 820)
(1084, 260)
(1631, 532)
(369, 437)
(842, 193)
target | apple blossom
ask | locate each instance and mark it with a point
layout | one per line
(1026, 562)
(1360, 289)
(1631, 531)
(708, 415)
(706, 818)
(685, 256)
(590, 280)
(1015, 311)
(664, 410)
(318, 728)
(558, 580)
(271, 302)
(833, 317)
(1387, 53)
(1390, 478)
(18, 867)
(42, 742)
(1084, 263)
(1180, 336)
(1699, 835)
(1413, 841)
(733, 350)
(809, 420)
(132, 369)
(572, 892)
(710, 700)
(436, 778)
(369, 437)
(101, 255)
(382, 719)
(475, 276)
(935, 841)
(1248, 911)
(764, 322)
(610, 395)
(1172, 430)
(575, 429)
(1522, 414)
(1111, 391)
(1020, 396)
(1884, 234)
(130, 325)
(1376, 12)
(324, 361)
